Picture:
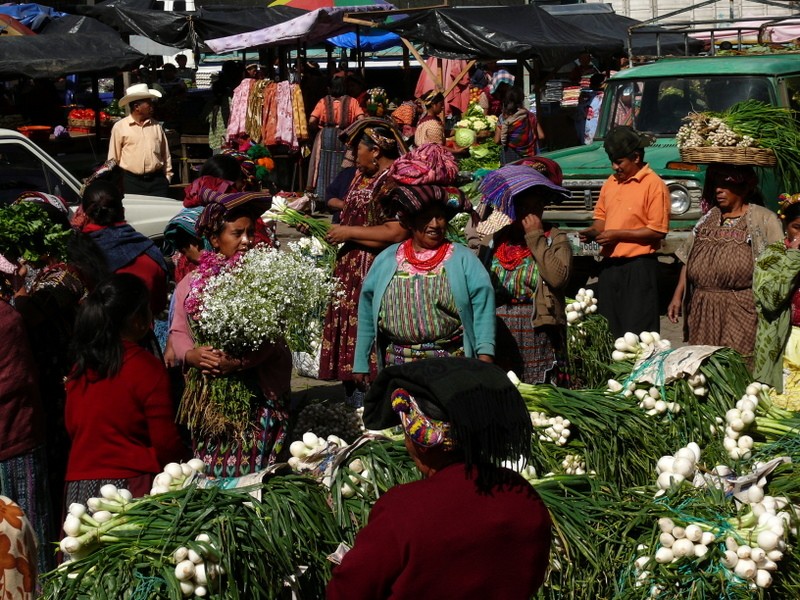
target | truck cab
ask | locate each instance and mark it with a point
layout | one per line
(25, 167)
(655, 98)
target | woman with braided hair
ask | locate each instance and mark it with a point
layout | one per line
(365, 229)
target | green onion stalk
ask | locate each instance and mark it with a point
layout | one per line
(589, 347)
(618, 441)
(258, 543)
(317, 228)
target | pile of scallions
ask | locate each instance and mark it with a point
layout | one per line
(644, 504)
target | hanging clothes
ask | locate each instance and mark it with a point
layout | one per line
(239, 102)
(255, 105)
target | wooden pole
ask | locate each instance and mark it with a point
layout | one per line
(425, 67)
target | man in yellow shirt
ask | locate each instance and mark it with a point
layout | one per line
(139, 145)
(630, 220)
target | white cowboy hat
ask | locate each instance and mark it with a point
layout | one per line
(139, 91)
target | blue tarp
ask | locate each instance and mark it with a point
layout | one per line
(376, 39)
(33, 16)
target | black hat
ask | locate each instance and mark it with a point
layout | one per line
(487, 416)
(623, 141)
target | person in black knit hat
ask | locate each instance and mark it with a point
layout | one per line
(470, 528)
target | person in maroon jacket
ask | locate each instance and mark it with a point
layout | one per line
(470, 528)
(119, 411)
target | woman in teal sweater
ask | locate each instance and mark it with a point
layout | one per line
(425, 297)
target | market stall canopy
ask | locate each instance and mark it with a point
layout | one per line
(602, 19)
(182, 29)
(497, 32)
(33, 16)
(60, 54)
(368, 40)
(311, 27)
(77, 24)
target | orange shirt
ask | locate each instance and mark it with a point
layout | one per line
(321, 114)
(640, 201)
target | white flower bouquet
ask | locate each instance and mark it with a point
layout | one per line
(239, 304)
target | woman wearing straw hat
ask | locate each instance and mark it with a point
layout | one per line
(470, 528)
(139, 145)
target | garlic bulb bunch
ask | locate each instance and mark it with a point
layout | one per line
(651, 402)
(674, 470)
(310, 445)
(698, 384)
(196, 567)
(83, 520)
(739, 419)
(632, 346)
(584, 304)
(551, 429)
(176, 476)
(360, 479)
(573, 464)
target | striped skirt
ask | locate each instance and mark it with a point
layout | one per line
(536, 355)
(23, 479)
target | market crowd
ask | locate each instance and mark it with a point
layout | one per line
(95, 352)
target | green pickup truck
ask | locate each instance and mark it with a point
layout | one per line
(655, 98)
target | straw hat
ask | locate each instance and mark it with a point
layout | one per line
(139, 91)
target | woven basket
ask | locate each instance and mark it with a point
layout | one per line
(735, 155)
(80, 122)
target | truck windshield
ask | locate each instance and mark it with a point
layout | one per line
(659, 105)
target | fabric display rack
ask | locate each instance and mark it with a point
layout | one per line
(273, 114)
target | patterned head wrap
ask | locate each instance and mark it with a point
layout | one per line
(54, 206)
(383, 142)
(785, 201)
(405, 114)
(426, 164)
(485, 416)
(248, 167)
(546, 166)
(185, 221)
(432, 98)
(500, 187)
(355, 132)
(410, 199)
(423, 430)
(501, 76)
(46, 200)
(217, 205)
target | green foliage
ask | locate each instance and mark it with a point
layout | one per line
(26, 232)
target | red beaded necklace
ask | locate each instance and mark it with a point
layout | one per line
(427, 264)
(510, 256)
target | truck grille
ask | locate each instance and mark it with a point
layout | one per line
(583, 195)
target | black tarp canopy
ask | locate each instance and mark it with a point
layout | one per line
(602, 19)
(67, 45)
(497, 32)
(186, 29)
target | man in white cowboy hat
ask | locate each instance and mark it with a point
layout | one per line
(139, 145)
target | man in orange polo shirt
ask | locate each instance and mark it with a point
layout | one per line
(630, 220)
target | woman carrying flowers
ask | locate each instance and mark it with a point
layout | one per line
(365, 229)
(241, 429)
(529, 262)
(776, 286)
